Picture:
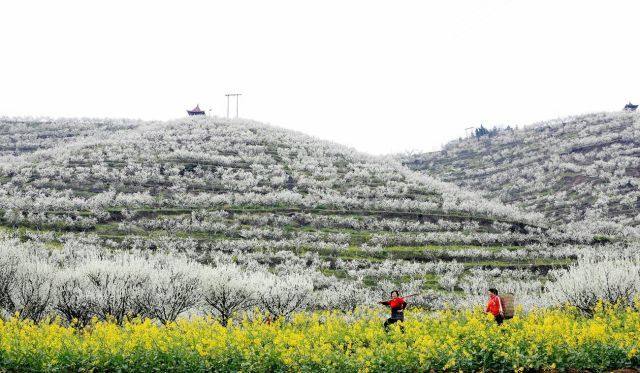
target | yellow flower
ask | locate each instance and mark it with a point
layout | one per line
(331, 340)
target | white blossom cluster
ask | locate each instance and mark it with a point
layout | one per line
(80, 282)
(27, 135)
(592, 280)
(84, 280)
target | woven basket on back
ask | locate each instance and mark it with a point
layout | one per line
(508, 305)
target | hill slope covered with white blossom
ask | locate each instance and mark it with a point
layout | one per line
(579, 169)
(77, 178)
(121, 218)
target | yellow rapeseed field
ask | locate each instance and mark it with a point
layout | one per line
(332, 341)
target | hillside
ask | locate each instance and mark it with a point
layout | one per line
(25, 135)
(166, 169)
(158, 206)
(583, 168)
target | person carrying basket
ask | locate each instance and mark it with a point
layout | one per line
(494, 306)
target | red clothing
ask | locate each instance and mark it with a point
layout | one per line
(397, 306)
(397, 303)
(494, 305)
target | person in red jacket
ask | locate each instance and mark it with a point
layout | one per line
(494, 306)
(397, 305)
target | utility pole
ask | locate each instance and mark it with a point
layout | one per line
(237, 96)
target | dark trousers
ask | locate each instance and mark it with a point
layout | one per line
(390, 321)
(499, 319)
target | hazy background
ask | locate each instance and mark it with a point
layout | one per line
(379, 76)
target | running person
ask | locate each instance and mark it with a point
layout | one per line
(397, 305)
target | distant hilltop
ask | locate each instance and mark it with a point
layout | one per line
(582, 167)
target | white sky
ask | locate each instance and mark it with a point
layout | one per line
(381, 76)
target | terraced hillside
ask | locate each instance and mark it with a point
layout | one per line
(577, 169)
(176, 200)
(25, 135)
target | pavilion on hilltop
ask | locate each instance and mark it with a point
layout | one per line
(196, 111)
